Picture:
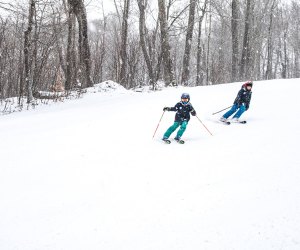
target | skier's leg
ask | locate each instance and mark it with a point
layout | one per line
(182, 129)
(241, 110)
(231, 111)
(171, 129)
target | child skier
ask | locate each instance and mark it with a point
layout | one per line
(182, 117)
(241, 103)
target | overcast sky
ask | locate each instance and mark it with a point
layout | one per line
(94, 7)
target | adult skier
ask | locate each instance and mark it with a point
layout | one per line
(241, 103)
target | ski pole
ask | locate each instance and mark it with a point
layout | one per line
(158, 124)
(221, 110)
(204, 125)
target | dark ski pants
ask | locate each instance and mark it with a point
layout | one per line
(180, 132)
(240, 110)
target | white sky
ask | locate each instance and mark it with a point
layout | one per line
(96, 7)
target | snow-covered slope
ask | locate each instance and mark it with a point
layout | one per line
(86, 173)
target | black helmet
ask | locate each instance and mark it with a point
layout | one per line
(185, 96)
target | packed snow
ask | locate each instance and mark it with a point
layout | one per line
(87, 174)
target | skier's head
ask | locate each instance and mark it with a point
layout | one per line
(185, 98)
(248, 85)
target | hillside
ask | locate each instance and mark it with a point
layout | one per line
(86, 173)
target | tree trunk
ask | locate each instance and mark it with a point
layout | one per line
(27, 43)
(142, 27)
(296, 72)
(71, 56)
(270, 44)
(165, 45)
(77, 8)
(199, 77)
(83, 31)
(235, 40)
(188, 43)
(123, 49)
(285, 57)
(208, 47)
(246, 45)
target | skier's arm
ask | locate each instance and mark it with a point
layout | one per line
(175, 108)
(247, 103)
(193, 111)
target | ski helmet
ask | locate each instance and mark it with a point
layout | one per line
(185, 96)
(248, 83)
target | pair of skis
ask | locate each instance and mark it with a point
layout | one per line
(228, 122)
(167, 141)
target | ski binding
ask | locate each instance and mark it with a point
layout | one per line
(180, 141)
(167, 141)
(225, 122)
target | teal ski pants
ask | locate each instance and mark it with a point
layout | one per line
(180, 132)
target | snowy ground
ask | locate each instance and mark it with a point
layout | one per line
(86, 173)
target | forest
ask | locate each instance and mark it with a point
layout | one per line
(53, 45)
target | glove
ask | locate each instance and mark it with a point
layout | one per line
(166, 109)
(247, 106)
(193, 113)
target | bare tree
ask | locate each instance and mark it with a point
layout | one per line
(142, 30)
(71, 54)
(123, 48)
(246, 43)
(208, 43)
(165, 45)
(235, 40)
(188, 43)
(27, 45)
(270, 43)
(295, 37)
(199, 77)
(77, 8)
